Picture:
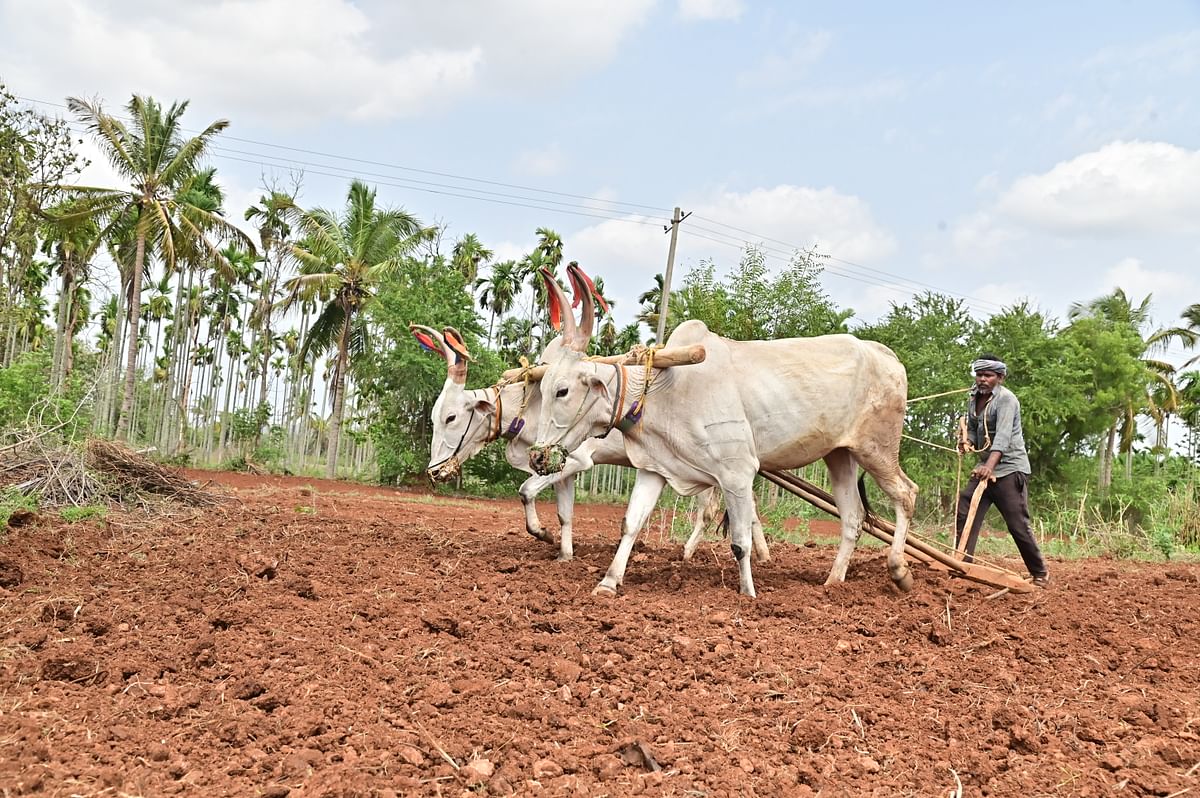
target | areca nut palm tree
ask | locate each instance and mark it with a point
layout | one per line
(158, 161)
(468, 255)
(345, 257)
(498, 292)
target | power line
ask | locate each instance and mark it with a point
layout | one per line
(848, 270)
(399, 167)
(891, 276)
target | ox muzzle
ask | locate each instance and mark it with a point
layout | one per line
(444, 471)
(547, 459)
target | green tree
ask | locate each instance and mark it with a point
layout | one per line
(400, 381)
(1155, 374)
(345, 257)
(158, 161)
(36, 154)
(932, 335)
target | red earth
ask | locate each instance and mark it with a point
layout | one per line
(312, 638)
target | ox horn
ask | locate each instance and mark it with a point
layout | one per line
(455, 341)
(432, 340)
(560, 309)
(584, 291)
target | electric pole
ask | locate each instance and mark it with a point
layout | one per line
(664, 300)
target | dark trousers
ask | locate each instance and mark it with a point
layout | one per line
(1010, 494)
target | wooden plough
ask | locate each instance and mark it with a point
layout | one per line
(914, 547)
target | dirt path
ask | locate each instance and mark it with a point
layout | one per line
(323, 639)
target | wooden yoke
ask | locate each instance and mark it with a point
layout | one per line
(663, 358)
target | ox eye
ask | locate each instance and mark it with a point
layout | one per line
(450, 419)
(561, 393)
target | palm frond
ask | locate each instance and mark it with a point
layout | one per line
(114, 138)
(324, 332)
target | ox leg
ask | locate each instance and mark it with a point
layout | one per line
(903, 493)
(529, 490)
(708, 505)
(845, 494)
(564, 494)
(646, 489)
(742, 517)
(762, 553)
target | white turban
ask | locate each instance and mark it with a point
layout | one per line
(989, 365)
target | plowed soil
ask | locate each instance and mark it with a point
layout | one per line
(324, 639)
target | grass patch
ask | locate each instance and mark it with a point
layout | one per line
(74, 515)
(12, 501)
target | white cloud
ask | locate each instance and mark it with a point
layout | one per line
(787, 66)
(1174, 54)
(1171, 290)
(545, 162)
(980, 235)
(1127, 187)
(856, 98)
(304, 60)
(710, 9)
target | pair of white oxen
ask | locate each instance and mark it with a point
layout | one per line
(750, 406)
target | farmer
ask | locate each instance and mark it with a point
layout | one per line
(993, 429)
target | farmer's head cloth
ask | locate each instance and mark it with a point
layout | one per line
(985, 364)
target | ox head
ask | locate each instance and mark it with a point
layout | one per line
(577, 403)
(461, 419)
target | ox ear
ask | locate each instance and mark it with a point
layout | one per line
(598, 386)
(485, 406)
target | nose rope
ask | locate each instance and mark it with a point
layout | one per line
(434, 466)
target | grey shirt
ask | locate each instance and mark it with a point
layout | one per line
(998, 429)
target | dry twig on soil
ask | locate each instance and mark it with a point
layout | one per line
(99, 473)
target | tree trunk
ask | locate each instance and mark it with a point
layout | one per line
(339, 390)
(1106, 458)
(60, 334)
(135, 312)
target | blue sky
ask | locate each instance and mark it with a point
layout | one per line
(1042, 151)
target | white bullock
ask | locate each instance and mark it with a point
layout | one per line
(750, 406)
(464, 421)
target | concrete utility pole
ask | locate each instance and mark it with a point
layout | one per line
(664, 300)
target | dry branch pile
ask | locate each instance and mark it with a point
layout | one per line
(100, 473)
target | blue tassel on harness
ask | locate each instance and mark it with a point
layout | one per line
(514, 429)
(631, 418)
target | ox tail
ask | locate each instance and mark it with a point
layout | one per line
(862, 494)
(723, 527)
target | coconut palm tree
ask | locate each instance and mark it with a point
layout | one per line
(1118, 309)
(346, 257)
(158, 161)
(651, 301)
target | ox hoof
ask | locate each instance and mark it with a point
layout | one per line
(541, 535)
(904, 581)
(562, 557)
(604, 591)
